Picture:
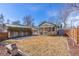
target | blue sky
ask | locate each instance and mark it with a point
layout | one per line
(40, 12)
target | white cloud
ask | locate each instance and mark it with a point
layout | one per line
(73, 21)
(76, 17)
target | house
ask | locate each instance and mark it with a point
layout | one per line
(12, 31)
(18, 30)
(46, 28)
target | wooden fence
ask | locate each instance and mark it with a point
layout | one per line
(3, 35)
(73, 34)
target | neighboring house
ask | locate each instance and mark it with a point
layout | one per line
(46, 28)
(18, 30)
(12, 31)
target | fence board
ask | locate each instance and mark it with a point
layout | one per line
(73, 34)
(3, 35)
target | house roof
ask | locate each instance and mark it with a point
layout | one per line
(47, 23)
(18, 26)
(21, 26)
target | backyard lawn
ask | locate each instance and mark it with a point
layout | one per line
(43, 45)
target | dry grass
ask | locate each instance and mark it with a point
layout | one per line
(43, 45)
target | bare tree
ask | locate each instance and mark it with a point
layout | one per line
(28, 20)
(8, 21)
(1, 19)
(75, 5)
(63, 16)
(16, 22)
(65, 12)
(2, 26)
